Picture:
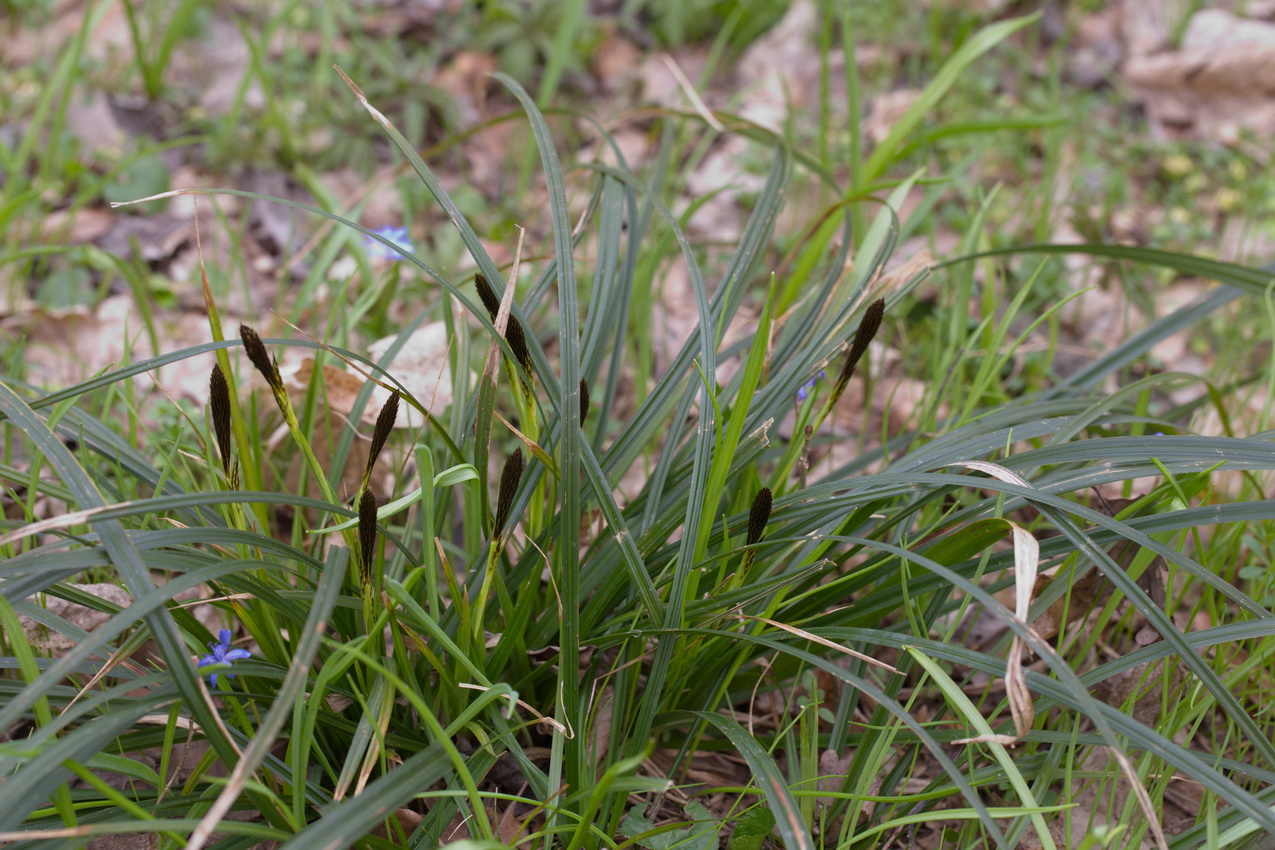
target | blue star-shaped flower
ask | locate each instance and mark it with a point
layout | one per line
(223, 654)
(805, 388)
(379, 251)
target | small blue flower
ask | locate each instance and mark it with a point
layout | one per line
(810, 385)
(379, 251)
(223, 654)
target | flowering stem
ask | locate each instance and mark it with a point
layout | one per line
(269, 369)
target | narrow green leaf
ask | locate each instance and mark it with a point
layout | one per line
(769, 778)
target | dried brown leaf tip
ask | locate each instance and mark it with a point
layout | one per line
(260, 357)
(509, 479)
(381, 433)
(868, 327)
(367, 532)
(584, 399)
(219, 402)
(514, 334)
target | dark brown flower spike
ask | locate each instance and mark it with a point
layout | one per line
(758, 516)
(584, 399)
(219, 402)
(868, 327)
(509, 478)
(367, 533)
(487, 295)
(260, 357)
(381, 433)
(514, 334)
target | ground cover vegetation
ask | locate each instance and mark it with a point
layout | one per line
(542, 488)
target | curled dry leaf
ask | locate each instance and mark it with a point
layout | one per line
(1003, 740)
(1026, 564)
(1026, 559)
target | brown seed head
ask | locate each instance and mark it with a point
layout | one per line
(868, 327)
(584, 399)
(487, 295)
(367, 531)
(514, 334)
(260, 357)
(759, 515)
(381, 433)
(509, 478)
(518, 342)
(219, 402)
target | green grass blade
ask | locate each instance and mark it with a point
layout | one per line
(774, 787)
(925, 105)
(567, 547)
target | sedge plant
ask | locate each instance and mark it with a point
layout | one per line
(569, 665)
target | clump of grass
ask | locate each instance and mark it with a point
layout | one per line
(579, 679)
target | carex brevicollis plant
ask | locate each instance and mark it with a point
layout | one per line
(268, 367)
(551, 685)
(849, 563)
(522, 374)
(370, 580)
(510, 478)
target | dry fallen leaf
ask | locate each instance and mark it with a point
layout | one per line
(65, 347)
(422, 367)
(616, 61)
(407, 819)
(64, 21)
(52, 644)
(1222, 80)
(340, 387)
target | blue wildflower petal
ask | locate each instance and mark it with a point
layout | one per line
(379, 251)
(220, 652)
(804, 389)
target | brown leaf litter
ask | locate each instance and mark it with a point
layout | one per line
(1221, 81)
